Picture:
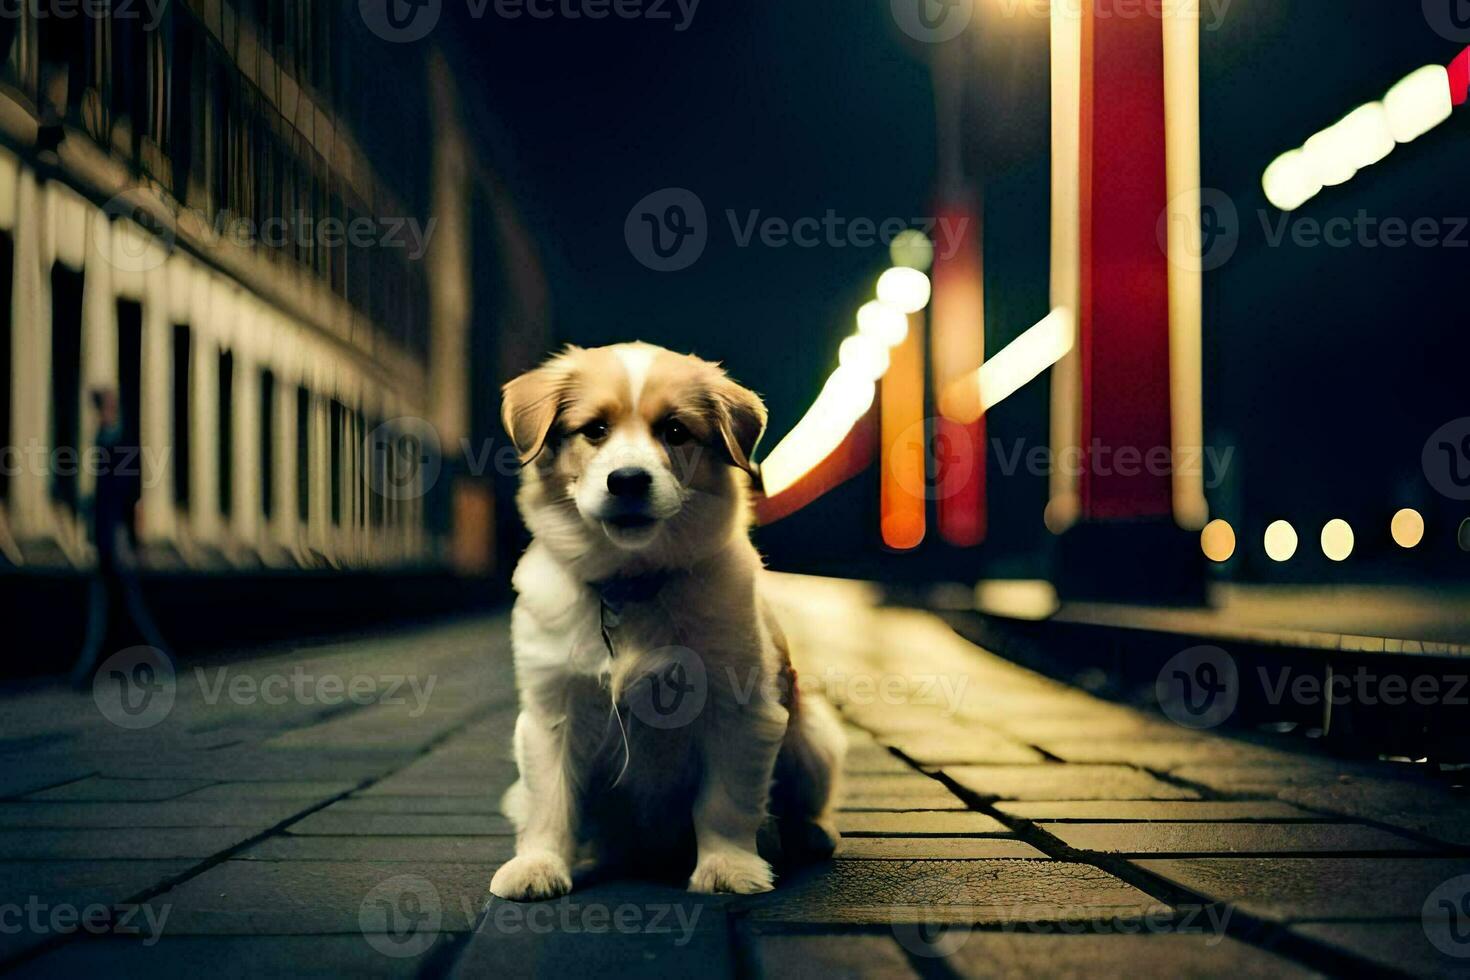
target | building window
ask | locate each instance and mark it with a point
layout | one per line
(66, 381)
(267, 443)
(130, 392)
(226, 432)
(182, 417)
(7, 272)
(303, 458)
(335, 453)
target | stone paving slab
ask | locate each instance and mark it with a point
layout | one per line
(838, 957)
(1411, 804)
(321, 897)
(35, 889)
(1271, 779)
(435, 850)
(994, 891)
(405, 824)
(875, 760)
(1228, 838)
(1059, 782)
(957, 748)
(399, 785)
(21, 777)
(173, 813)
(1102, 811)
(897, 793)
(604, 930)
(229, 957)
(272, 790)
(99, 845)
(1297, 889)
(100, 789)
(934, 849)
(418, 804)
(1398, 947)
(1022, 954)
(918, 823)
(1162, 754)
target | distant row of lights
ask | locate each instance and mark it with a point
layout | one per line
(862, 359)
(1423, 100)
(1218, 542)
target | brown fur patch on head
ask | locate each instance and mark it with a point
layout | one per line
(700, 396)
(571, 390)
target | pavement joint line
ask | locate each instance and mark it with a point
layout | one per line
(44, 789)
(1260, 933)
(58, 940)
(1264, 934)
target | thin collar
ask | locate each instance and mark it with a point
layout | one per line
(620, 590)
(616, 593)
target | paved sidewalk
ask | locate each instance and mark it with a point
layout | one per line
(333, 811)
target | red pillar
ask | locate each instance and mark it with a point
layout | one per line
(1123, 320)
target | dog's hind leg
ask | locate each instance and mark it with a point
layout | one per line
(808, 778)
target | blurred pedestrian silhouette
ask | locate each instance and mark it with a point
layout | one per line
(114, 594)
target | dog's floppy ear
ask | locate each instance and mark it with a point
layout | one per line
(529, 407)
(740, 416)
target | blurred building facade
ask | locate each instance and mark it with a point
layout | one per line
(198, 212)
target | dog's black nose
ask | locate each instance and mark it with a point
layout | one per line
(630, 481)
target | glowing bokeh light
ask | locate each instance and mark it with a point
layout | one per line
(864, 356)
(1337, 539)
(1280, 541)
(1289, 182)
(1419, 103)
(1217, 541)
(1464, 535)
(912, 249)
(1407, 528)
(907, 290)
(1009, 370)
(883, 322)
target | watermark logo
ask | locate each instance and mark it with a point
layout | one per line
(569, 917)
(933, 21)
(1446, 917)
(667, 231)
(401, 21)
(404, 458)
(1198, 687)
(935, 931)
(1450, 19)
(142, 251)
(674, 694)
(1446, 459)
(135, 688)
(946, 459)
(1219, 230)
(400, 917)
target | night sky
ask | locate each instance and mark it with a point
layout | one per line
(783, 109)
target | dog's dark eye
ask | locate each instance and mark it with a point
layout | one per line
(675, 434)
(594, 431)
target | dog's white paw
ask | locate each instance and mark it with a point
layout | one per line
(731, 873)
(532, 877)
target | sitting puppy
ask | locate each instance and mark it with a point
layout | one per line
(658, 703)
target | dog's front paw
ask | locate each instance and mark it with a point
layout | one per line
(532, 877)
(732, 873)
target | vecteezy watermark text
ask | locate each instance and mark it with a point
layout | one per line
(149, 11)
(41, 918)
(301, 686)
